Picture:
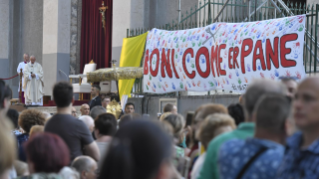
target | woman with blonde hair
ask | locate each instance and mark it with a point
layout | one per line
(36, 129)
(212, 126)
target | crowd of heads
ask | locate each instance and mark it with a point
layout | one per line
(264, 125)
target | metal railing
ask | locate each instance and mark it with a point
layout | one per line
(240, 11)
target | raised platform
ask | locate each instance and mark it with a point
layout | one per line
(75, 103)
(49, 109)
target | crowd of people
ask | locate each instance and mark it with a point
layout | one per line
(271, 132)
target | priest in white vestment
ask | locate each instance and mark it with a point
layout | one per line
(33, 83)
(26, 59)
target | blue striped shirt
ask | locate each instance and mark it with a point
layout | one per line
(300, 163)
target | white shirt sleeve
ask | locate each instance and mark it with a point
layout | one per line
(19, 67)
(36, 76)
(30, 78)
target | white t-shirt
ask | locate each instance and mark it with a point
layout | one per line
(103, 146)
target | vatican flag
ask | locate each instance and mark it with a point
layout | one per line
(131, 56)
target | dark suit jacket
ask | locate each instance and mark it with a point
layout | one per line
(95, 102)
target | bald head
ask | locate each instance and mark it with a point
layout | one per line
(306, 105)
(258, 88)
(86, 166)
(85, 109)
(88, 121)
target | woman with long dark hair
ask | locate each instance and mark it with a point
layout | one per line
(139, 150)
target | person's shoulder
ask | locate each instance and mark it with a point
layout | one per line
(232, 144)
(222, 138)
(61, 117)
(235, 142)
(23, 136)
(294, 140)
(37, 64)
(78, 124)
(41, 176)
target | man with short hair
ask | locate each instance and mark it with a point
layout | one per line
(170, 108)
(104, 130)
(245, 129)
(86, 167)
(33, 83)
(105, 101)
(129, 108)
(85, 109)
(301, 156)
(291, 85)
(96, 111)
(21, 66)
(260, 156)
(96, 99)
(73, 131)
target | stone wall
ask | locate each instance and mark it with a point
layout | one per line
(56, 42)
(76, 10)
(4, 38)
(150, 104)
(32, 28)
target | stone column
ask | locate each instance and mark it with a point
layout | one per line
(56, 42)
(4, 38)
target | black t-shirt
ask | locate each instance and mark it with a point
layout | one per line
(73, 131)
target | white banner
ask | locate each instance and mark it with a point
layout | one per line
(223, 55)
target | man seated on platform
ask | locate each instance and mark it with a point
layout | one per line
(105, 101)
(33, 86)
(21, 66)
(96, 99)
(85, 109)
(73, 131)
(129, 108)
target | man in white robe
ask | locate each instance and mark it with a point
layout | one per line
(21, 67)
(33, 86)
